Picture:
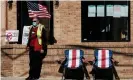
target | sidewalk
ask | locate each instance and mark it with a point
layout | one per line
(47, 78)
(22, 78)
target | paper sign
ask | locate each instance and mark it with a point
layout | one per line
(25, 36)
(117, 11)
(110, 10)
(12, 35)
(124, 11)
(91, 11)
(100, 10)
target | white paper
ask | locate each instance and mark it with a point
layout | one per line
(124, 11)
(12, 35)
(110, 10)
(100, 10)
(91, 11)
(117, 11)
(25, 36)
(91, 15)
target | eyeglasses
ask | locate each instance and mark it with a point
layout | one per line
(34, 21)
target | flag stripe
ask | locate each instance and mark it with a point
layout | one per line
(73, 58)
(99, 58)
(70, 58)
(103, 58)
(107, 60)
(78, 58)
(96, 55)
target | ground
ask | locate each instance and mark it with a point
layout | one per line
(47, 78)
(23, 78)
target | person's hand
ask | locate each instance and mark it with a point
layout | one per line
(117, 78)
(88, 78)
(42, 51)
(85, 60)
(58, 61)
(27, 48)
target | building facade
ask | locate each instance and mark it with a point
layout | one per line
(67, 30)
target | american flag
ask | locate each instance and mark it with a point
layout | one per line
(37, 10)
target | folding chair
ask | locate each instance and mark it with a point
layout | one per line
(73, 67)
(103, 65)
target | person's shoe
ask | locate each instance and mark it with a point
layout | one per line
(28, 78)
(34, 79)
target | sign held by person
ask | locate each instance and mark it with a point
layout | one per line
(25, 36)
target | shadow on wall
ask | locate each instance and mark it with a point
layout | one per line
(118, 53)
(71, 47)
(10, 56)
(10, 4)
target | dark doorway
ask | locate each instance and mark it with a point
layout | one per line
(24, 20)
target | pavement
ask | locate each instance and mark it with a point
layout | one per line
(22, 78)
(47, 78)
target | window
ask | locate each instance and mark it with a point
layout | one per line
(24, 20)
(107, 21)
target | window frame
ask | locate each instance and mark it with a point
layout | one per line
(82, 24)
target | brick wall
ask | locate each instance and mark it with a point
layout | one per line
(67, 32)
(12, 17)
(67, 26)
(3, 5)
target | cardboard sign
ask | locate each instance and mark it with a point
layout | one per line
(12, 35)
(25, 36)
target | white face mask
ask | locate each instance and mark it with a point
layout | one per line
(34, 23)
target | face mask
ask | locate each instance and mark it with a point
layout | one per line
(34, 24)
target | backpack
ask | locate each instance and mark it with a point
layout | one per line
(73, 58)
(103, 58)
